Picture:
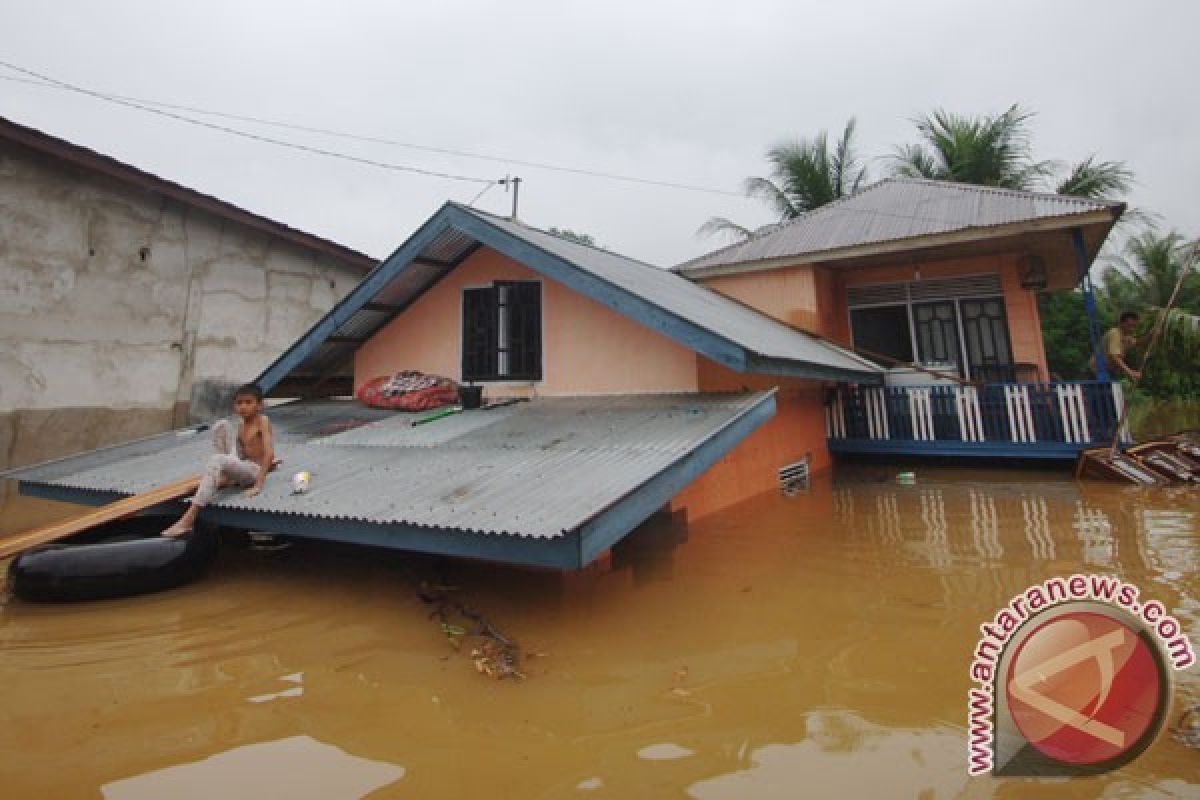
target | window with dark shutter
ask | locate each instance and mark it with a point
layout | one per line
(502, 332)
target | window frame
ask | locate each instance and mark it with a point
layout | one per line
(502, 347)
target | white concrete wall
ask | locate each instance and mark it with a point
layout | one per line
(116, 298)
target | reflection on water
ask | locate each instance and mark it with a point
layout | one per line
(846, 756)
(811, 646)
(296, 768)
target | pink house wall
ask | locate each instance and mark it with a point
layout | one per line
(814, 297)
(1024, 320)
(586, 347)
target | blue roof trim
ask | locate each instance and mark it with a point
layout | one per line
(686, 332)
(355, 300)
(561, 552)
(574, 549)
(622, 301)
(608, 528)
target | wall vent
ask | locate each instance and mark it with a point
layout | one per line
(794, 477)
(917, 291)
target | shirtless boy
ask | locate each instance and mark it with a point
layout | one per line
(243, 460)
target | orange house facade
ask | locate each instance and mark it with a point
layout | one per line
(938, 283)
(590, 349)
(900, 321)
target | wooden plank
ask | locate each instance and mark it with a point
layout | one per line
(120, 509)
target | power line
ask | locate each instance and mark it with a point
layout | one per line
(50, 83)
(246, 134)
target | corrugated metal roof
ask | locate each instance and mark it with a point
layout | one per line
(641, 289)
(748, 328)
(895, 209)
(536, 469)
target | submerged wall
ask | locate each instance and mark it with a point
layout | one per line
(586, 347)
(797, 431)
(123, 312)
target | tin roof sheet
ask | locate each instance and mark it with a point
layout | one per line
(540, 468)
(895, 209)
(413, 269)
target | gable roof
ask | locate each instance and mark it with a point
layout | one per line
(902, 209)
(711, 324)
(90, 160)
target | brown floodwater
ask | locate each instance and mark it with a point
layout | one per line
(806, 646)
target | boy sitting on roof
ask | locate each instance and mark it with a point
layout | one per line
(243, 460)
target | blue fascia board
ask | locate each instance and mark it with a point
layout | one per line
(561, 552)
(614, 523)
(358, 297)
(906, 447)
(572, 550)
(621, 300)
(800, 369)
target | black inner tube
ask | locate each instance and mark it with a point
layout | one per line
(121, 558)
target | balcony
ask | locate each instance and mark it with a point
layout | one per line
(1005, 420)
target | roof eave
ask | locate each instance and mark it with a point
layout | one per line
(1101, 216)
(787, 368)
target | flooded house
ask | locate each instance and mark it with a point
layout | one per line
(127, 300)
(641, 391)
(614, 389)
(938, 282)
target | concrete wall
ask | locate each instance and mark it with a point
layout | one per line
(586, 347)
(123, 312)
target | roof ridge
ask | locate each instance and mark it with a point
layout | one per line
(95, 161)
(1005, 190)
(719, 297)
(804, 217)
(596, 247)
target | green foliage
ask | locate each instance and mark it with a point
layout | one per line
(1107, 180)
(1065, 333)
(1143, 280)
(985, 150)
(805, 174)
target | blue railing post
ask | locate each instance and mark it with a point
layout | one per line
(1089, 304)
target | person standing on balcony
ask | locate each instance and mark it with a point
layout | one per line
(1117, 344)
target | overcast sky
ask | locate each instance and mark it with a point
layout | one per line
(689, 92)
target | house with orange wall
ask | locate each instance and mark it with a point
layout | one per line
(614, 389)
(942, 276)
(607, 326)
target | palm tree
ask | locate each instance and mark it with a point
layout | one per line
(1098, 180)
(1143, 279)
(805, 175)
(987, 150)
(997, 151)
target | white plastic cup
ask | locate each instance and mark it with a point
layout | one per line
(301, 481)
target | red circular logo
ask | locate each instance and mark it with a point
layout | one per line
(1084, 688)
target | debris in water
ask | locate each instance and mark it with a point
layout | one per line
(1187, 730)
(496, 656)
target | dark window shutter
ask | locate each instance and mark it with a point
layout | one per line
(479, 334)
(525, 330)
